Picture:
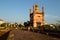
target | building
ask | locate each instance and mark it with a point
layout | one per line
(1, 21)
(36, 16)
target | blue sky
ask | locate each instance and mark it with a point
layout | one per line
(18, 10)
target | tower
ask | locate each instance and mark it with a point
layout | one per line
(36, 16)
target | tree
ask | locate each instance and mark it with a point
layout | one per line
(16, 24)
(20, 25)
(26, 24)
(3, 25)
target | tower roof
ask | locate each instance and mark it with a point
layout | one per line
(36, 8)
(36, 5)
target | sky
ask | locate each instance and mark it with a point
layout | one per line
(18, 10)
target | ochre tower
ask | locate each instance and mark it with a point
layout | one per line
(36, 16)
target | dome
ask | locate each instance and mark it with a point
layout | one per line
(36, 5)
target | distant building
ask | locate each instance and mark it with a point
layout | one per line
(1, 21)
(36, 16)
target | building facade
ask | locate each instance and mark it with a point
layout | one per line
(1, 21)
(36, 16)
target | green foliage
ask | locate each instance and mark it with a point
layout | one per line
(16, 24)
(47, 26)
(3, 25)
(20, 25)
(27, 24)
